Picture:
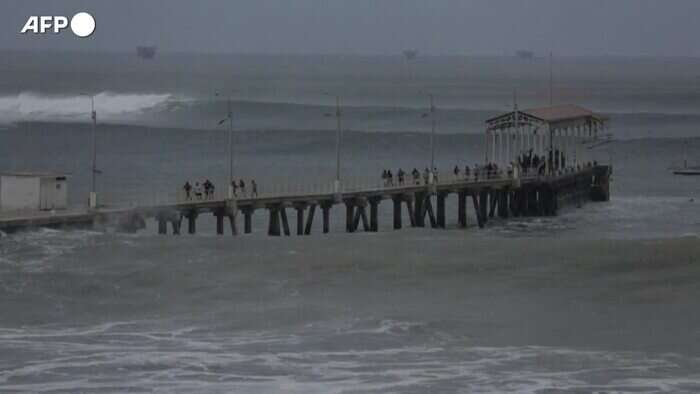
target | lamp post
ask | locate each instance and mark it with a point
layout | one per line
(338, 137)
(432, 133)
(229, 117)
(92, 202)
(338, 140)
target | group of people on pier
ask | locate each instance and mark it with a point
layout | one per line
(240, 187)
(427, 177)
(205, 190)
(200, 191)
(525, 164)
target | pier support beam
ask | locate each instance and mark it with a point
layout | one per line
(411, 211)
(419, 210)
(176, 224)
(478, 210)
(162, 226)
(349, 214)
(219, 214)
(441, 197)
(493, 202)
(300, 208)
(191, 222)
(397, 211)
(285, 222)
(462, 209)
(310, 220)
(247, 219)
(360, 216)
(232, 224)
(374, 213)
(325, 208)
(483, 206)
(273, 228)
(503, 204)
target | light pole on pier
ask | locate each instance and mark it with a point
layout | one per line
(229, 117)
(432, 133)
(92, 202)
(338, 137)
(338, 140)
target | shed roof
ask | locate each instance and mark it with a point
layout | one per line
(27, 174)
(554, 115)
(559, 113)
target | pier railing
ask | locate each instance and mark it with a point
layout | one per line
(172, 195)
(163, 195)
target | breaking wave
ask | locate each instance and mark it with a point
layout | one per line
(29, 106)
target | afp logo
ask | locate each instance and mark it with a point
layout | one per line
(82, 24)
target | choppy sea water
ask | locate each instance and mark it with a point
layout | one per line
(602, 298)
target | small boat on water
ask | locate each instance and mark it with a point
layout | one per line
(694, 170)
(686, 169)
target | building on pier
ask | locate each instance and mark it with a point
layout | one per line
(560, 130)
(33, 191)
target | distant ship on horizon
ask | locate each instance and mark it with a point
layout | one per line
(522, 54)
(146, 52)
(410, 54)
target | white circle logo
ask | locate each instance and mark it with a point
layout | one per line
(82, 24)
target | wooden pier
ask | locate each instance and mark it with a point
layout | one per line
(546, 141)
(412, 205)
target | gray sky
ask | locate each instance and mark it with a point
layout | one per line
(567, 27)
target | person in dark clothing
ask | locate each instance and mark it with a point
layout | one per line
(456, 171)
(209, 188)
(416, 176)
(241, 185)
(205, 186)
(400, 175)
(234, 187)
(198, 191)
(188, 190)
(254, 188)
(390, 177)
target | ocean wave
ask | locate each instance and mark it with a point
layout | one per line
(33, 251)
(129, 355)
(30, 106)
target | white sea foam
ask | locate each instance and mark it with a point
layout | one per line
(27, 106)
(120, 356)
(33, 250)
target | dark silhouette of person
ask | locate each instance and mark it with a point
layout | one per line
(188, 190)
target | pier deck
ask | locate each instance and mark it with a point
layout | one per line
(490, 196)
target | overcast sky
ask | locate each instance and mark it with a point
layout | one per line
(567, 27)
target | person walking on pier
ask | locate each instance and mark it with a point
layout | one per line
(435, 175)
(188, 191)
(385, 178)
(416, 176)
(390, 177)
(456, 172)
(467, 171)
(241, 184)
(426, 176)
(400, 175)
(198, 191)
(234, 188)
(211, 189)
(208, 189)
(254, 188)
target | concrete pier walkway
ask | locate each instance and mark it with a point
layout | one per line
(413, 204)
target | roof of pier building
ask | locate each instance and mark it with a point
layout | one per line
(558, 116)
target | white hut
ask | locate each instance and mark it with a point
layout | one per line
(33, 191)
